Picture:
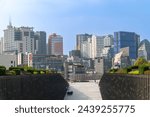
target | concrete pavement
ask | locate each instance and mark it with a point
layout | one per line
(84, 91)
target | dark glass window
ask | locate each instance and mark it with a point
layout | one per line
(26, 33)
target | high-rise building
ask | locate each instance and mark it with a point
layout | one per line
(55, 44)
(127, 39)
(40, 42)
(27, 42)
(144, 49)
(11, 35)
(92, 46)
(1, 45)
(108, 40)
(80, 38)
(18, 39)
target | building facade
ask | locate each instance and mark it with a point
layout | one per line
(9, 59)
(127, 39)
(18, 39)
(144, 49)
(1, 45)
(40, 42)
(55, 44)
(11, 35)
(80, 38)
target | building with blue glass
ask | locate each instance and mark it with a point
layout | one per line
(127, 39)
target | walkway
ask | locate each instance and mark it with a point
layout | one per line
(84, 91)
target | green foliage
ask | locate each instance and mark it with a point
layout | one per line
(26, 68)
(17, 71)
(113, 70)
(147, 72)
(140, 61)
(48, 72)
(3, 67)
(35, 72)
(30, 71)
(42, 72)
(135, 72)
(53, 71)
(12, 72)
(143, 68)
(2, 70)
(128, 69)
(122, 71)
(134, 67)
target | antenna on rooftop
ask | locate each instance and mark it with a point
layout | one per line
(10, 24)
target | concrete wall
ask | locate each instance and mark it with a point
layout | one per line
(8, 60)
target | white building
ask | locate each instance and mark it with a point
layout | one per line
(10, 36)
(18, 39)
(108, 40)
(8, 59)
(93, 46)
(1, 45)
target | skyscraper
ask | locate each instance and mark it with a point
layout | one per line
(40, 42)
(27, 42)
(127, 39)
(11, 35)
(55, 44)
(18, 39)
(80, 38)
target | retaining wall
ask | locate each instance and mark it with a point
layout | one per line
(33, 87)
(125, 87)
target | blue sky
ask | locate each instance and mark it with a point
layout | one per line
(71, 17)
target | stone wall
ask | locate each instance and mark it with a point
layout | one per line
(125, 87)
(33, 87)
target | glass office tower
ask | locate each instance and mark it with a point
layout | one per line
(127, 39)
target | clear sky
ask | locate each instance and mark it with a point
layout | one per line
(71, 17)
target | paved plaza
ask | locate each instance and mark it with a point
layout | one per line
(84, 91)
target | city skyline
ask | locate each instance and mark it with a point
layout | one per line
(69, 18)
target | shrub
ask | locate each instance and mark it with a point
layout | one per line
(35, 72)
(17, 71)
(3, 67)
(47, 72)
(128, 69)
(140, 61)
(143, 68)
(113, 70)
(135, 67)
(135, 72)
(2, 71)
(147, 72)
(30, 71)
(12, 72)
(122, 71)
(42, 72)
